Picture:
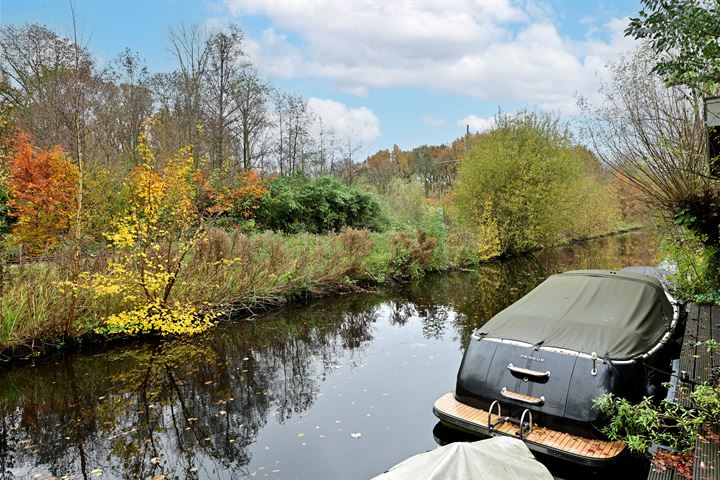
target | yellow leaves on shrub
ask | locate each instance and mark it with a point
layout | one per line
(152, 240)
(488, 235)
(174, 318)
(161, 201)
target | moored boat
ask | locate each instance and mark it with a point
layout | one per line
(491, 459)
(535, 368)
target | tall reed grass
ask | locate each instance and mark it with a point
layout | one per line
(232, 271)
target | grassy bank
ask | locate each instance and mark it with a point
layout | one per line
(226, 272)
(229, 273)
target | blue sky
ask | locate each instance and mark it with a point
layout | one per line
(410, 73)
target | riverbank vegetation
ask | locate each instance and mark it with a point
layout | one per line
(161, 204)
(651, 129)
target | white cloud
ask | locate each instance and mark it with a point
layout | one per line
(359, 123)
(477, 124)
(215, 24)
(490, 50)
(431, 121)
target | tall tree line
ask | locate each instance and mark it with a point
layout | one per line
(214, 100)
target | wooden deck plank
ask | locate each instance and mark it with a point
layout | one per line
(707, 455)
(687, 356)
(580, 447)
(664, 475)
(703, 359)
(564, 442)
(715, 333)
(703, 323)
(707, 451)
(572, 444)
(540, 435)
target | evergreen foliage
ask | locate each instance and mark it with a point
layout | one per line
(325, 204)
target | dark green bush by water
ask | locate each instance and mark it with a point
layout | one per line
(298, 204)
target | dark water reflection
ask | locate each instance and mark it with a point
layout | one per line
(341, 388)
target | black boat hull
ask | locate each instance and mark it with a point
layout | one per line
(557, 387)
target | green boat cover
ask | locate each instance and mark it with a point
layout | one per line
(616, 314)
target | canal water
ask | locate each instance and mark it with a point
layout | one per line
(341, 388)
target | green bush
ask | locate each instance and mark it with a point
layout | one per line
(403, 202)
(644, 424)
(7, 220)
(696, 266)
(297, 204)
(533, 183)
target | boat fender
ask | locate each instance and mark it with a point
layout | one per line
(608, 360)
(594, 358)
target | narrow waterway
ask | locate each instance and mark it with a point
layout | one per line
(338, 389)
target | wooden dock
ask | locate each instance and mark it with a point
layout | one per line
(696, 367)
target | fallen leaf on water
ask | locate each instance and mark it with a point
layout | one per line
(155, 460)
(356, 435)
(96, 472)
(301, 434)
(159, 477)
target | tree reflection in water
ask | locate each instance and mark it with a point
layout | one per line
(194, 408)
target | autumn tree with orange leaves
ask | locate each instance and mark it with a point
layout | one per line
(240, 200)
(43, 193)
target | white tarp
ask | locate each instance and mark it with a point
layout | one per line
(498, 458)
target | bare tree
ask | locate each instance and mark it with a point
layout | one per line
(128, 105)
(294, 125)
(52, 85)
(326, 149)
(251, 95)
(226, 62)
(654, 137)
(189, 46)
(351, 147)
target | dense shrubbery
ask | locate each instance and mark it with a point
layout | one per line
(223, 270)
(325, 204)
(525, 181)
(177, 247)
(695, 266)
